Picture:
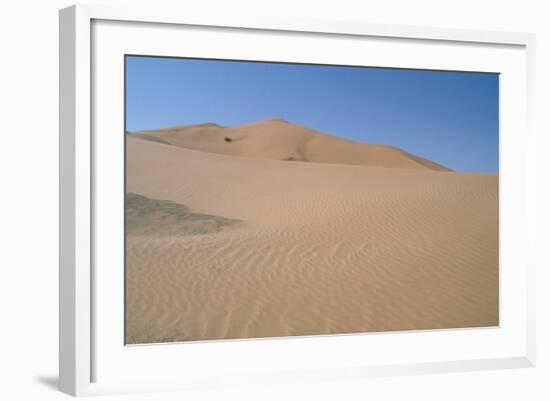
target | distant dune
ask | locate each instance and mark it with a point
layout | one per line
(228, 239)
(280, 140)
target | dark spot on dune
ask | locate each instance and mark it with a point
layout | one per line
(146, 216)
(226, 139)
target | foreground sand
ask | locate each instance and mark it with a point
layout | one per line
(222, 247)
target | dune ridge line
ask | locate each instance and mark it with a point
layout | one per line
(279, 139)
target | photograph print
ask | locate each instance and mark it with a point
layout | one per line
(271, 199)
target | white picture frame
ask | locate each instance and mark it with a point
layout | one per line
(79, 316)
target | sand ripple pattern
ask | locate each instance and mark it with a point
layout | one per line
(318, 249)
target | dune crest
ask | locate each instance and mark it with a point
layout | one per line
(279, 139)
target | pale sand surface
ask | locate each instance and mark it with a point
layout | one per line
(225, 247)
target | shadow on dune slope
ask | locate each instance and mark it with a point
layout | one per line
(146, 216)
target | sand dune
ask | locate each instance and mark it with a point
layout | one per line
(280, 140)
(301, 248)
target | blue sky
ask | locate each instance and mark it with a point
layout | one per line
(448, 117)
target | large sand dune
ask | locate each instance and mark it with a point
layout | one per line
(280, 140)
(222, 247)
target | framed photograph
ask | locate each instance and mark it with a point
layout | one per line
(276, 200)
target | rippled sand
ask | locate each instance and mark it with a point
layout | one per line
(224, 247)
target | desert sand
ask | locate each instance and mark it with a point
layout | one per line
(272, 229)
